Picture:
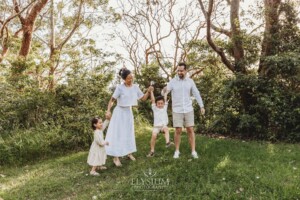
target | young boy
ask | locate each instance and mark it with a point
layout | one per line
(159, 107)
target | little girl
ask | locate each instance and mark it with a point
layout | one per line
(97, 154)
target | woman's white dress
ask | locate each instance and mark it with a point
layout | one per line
(120, 132)
(97, 154)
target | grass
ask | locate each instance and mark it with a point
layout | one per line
(226, 169)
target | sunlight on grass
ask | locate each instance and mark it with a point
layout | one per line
(223, 163)
(44, 170)
(22, 179)
(270, 148)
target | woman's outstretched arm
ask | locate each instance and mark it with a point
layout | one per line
(146, 95)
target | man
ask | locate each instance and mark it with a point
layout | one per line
(181, 88)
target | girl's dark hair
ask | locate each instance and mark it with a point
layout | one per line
(159, 98)
(94, 121)
(124, 73)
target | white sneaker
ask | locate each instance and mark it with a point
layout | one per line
(195, 155)
(176, 154)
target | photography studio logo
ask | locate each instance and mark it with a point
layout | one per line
(150, 180)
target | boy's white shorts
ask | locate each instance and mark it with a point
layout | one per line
(158, 129)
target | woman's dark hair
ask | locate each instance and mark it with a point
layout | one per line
(94, 121)
(124, 73)
(159, 98)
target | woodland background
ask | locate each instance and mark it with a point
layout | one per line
(55, 75)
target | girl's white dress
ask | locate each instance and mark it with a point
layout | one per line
(120, 132)
(97, 154)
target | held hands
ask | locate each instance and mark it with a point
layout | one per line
(164, 91)
(107, 143)
(150, 89)
(202, 111)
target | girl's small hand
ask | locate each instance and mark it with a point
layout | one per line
(108, 115)
(107, 143)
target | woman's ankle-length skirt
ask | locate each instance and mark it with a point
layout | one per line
(120, 133)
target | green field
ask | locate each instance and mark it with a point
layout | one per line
(226, 169)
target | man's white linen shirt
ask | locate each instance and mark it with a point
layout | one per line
(181, 90)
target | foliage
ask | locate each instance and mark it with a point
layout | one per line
(34, 117)
(27, 145)
(150, 73)
(209, 85)
(273, 115)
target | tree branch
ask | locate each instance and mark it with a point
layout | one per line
(12, 17)
(211, 43)
(215, 28)
(77, 24)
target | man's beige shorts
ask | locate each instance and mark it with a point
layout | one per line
(183, 119)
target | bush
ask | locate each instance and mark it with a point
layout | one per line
(272, 115)
(35, 123)
(21, 146)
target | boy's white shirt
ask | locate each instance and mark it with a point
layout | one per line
(160, 115)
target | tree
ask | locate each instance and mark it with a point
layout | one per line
(270, 40)
(58, 39)
(28, 23)
(237, 65)
(234, 56)
(158, 32)
(262, 97)
(5, 32)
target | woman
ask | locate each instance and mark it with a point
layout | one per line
(120, 133)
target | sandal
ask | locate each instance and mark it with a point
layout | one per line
(102, 167)
(151, 154)
(169, 144)
(94, 173)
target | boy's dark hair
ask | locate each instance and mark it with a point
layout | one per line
(159, 98)
(183, 64)
(94, 121)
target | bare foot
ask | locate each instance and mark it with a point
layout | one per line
(117, 162)
(130, 156)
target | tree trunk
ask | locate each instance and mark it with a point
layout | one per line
(26, 40)
(28, 25)
(5, 48)
(51, 75)
(236, 38)
(270, 40)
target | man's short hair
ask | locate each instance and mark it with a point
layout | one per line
(183, 64)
